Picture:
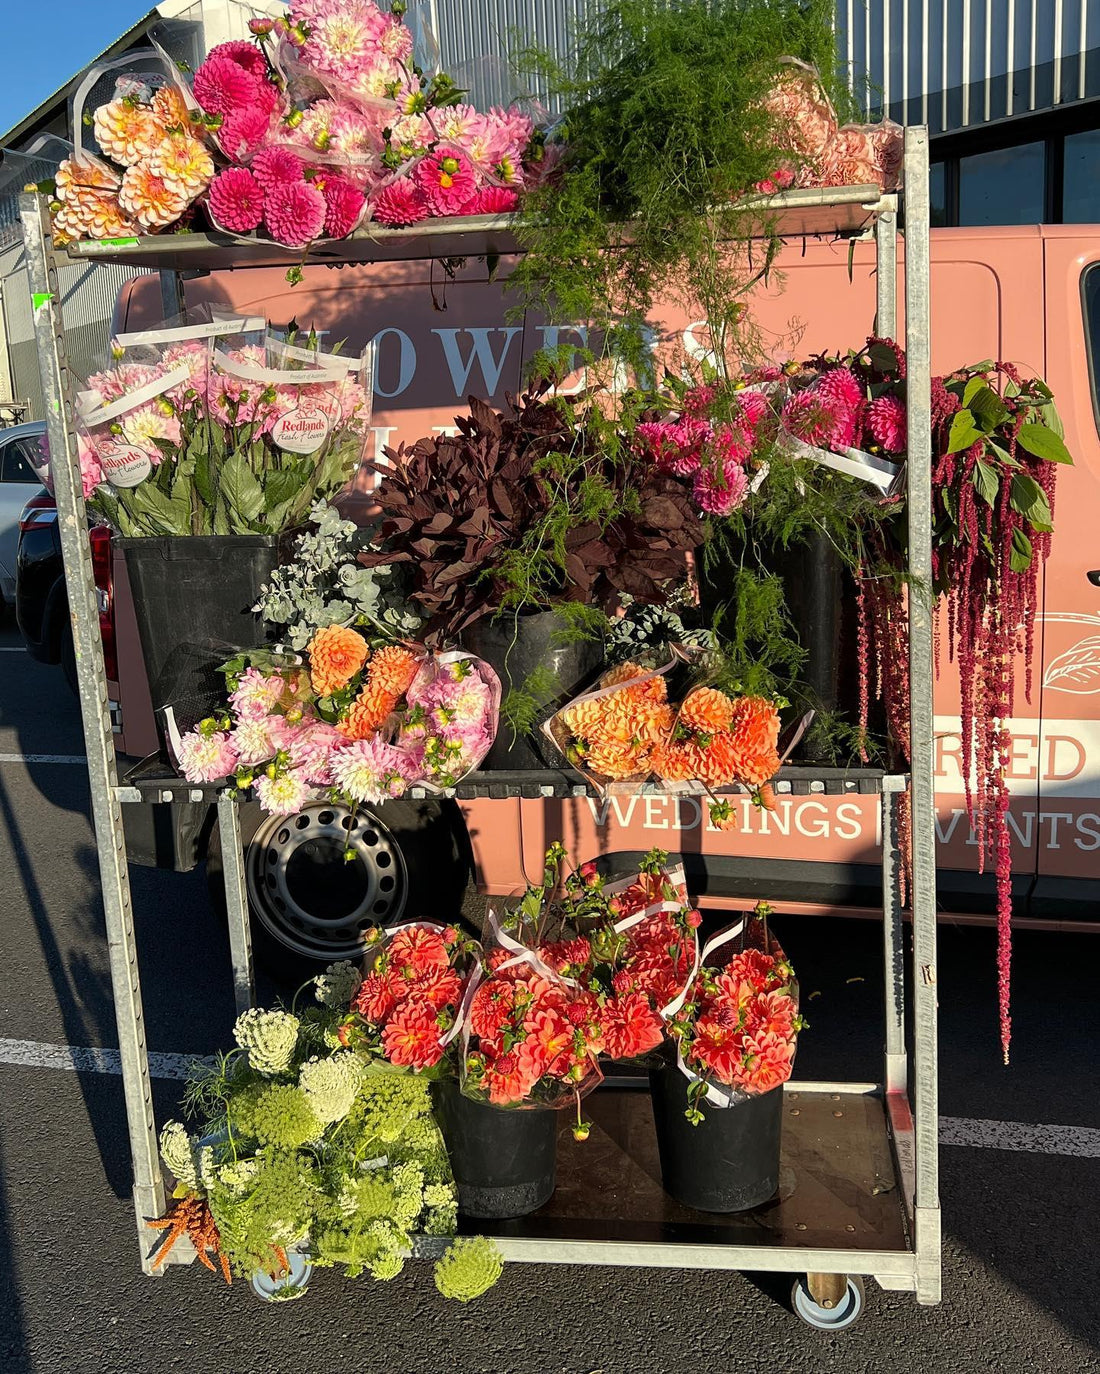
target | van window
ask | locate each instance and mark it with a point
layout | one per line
(15, 462)
(1090, 299)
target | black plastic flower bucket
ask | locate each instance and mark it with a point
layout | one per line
(193, 596)
(504, 1161)
(727, 1163)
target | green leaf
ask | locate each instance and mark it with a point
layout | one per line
(1043, 443)
(1052, 419)
(987, 482)
(280, 487)
(964, 433)
(973, 386)
(988, 408)
(242, 492)
(221, 517)
(1019, 558)
(1029, 500)
(204, 475)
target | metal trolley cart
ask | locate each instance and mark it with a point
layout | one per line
(859, 1185)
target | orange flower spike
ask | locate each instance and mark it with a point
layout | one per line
(335, 655)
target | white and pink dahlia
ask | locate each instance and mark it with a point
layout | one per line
(284, 795)
(207, 757)
(371, 771)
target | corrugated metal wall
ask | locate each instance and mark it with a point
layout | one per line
(952, 64)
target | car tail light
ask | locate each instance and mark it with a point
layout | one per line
(39, 510)
(100, 537)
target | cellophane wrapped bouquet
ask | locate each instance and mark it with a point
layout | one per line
(736, 1032)
(219, 428)
(348, 722)
(406, 1007)
(626, 732)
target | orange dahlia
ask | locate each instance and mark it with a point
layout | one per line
(392, 670)
(126, 131)
(584, 719)
(335, 655)
(643, 722)
(716, 761)
(367, 713)
(171, 112)
(613, 759)
(756, 769)
(755, 724)
(149, 199)
(672, 762)
(706, 709)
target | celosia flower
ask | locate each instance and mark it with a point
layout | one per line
(276, 167)
(150, 200)
(183, 163)
(885, 420)
(371, 771)
(283, 795)
(222, 84)
(206, 757)
(399, 204)
(447, 181)
(126, 130)
(295, 213)
(411, 1036)
(336, 654)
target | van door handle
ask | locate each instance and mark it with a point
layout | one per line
(1094, 577)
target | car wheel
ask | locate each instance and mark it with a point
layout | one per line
(309, 906)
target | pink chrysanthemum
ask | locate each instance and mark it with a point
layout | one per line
(206, 758)
(276, 167)
(222, 85)
(885, 422)
(494, 200)
(399, 204)
(343, 205)
(244, 54)
(282, 796)
(447, 180)
(295, 213)
(840, 386)
(236, 200)
(720, 494)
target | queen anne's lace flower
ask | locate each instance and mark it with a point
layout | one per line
(330, 1085)
(269, 1037)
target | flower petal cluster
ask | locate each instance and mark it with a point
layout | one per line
(410, 997)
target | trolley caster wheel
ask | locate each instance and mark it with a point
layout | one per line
(831, 1313)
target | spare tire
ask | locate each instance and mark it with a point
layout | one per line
(309, 906)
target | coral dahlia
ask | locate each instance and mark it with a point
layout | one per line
(706, 709)
(411, 1036)
(336, 654)
(447, 181)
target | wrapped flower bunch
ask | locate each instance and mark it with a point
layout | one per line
(407, 1004)
(627, 730)
(215, 429)
(737, 1031)
(156, 163)
(338, 725)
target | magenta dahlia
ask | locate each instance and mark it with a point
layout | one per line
(494, 200)
(243, 131)
(236, 200)
(400, 203)
(245, 54)
(447, 180)
(840, 386)
(343, 205)
(720, 493)
(222, 85)
(295, 213)
(817, 419)
(754, 406)
(277, 167)
(885, 423)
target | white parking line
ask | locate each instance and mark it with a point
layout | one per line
(965, 1131)
(43, 758)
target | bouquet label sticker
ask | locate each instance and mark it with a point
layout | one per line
(124, 465)
(301, 430)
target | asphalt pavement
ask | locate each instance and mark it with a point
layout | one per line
(1022, 1240)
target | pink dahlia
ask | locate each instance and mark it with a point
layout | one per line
(295, 213)
(284, 795)
(817, 419)
(343, 205)
(222, 85)
(447, 180)
(721, 493)
(243, 131)
(91, 473)
(236, 200)
(245, 54)
(277, 167)
(494, 200)
(731, 444)
(370, 770)
(840, 386)
(698, 400)
(400, 203)
(206, 757)
(754, 406)
(885, 422)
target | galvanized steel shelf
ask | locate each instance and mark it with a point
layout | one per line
(859, 1191)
